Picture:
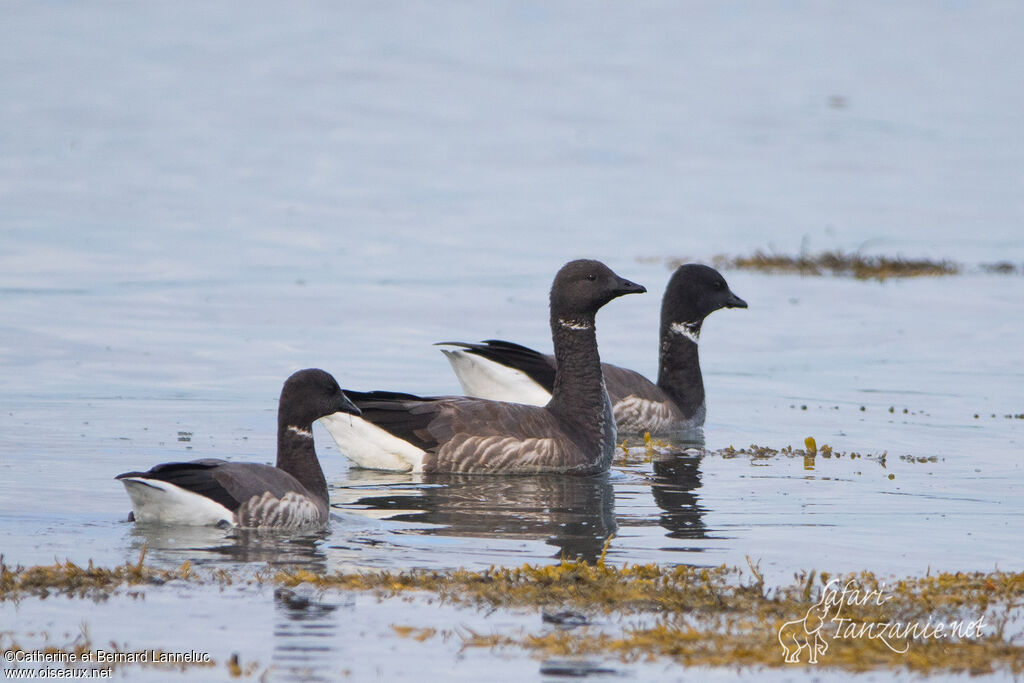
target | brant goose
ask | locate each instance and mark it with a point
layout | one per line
(504, 371)
(574, 433)
(217, 492)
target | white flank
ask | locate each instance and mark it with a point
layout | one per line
(369, 446)
(485, 378)
(689, 330)
(300, 431)
(158, 502)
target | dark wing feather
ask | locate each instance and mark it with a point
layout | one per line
(197, 476)
(228, 483)
(384, 395)
(534, 364)
(246, 479)
(541, 369)
(404, 415)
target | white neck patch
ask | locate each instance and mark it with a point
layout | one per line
(300, 431)
(574, 324)
(689, 330)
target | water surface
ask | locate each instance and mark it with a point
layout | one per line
(199, 200)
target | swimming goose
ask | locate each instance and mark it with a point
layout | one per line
(574, 433)
(504, 371)
(220, 493)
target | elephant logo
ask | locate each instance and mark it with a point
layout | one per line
(800, 634)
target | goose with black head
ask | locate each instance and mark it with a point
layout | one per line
(573, 433)
(505, 371)
(290, 495)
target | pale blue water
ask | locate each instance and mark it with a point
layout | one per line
(199, 200)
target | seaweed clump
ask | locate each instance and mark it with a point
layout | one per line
(72, 580)
(725, 617)
(840, 263)
(810, 450)
(698, 616)
(1001, 268)
(844, 264)
(632, 453)
(655, 448)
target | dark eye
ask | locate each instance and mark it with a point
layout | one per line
(591, 277)
(719, 285)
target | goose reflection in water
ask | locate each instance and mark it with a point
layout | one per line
(674, 485)
(210, 545)
(574, 514)
(306, 631)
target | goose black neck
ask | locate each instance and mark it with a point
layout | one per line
(297, 456)
(679, 366)
(579, 393)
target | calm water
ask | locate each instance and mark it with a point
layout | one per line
(200, 200)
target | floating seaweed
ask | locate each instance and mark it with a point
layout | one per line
(699, 616)
(656, 448)
(844, 264)
(860, 266)
(1001, 268)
